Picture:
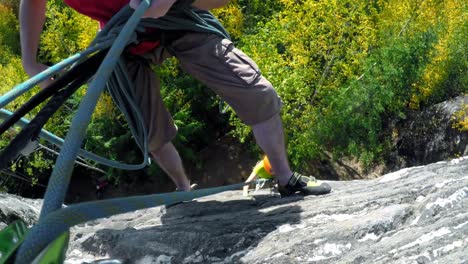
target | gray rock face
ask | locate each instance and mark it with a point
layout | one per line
(428, 136)
(415, 215)
(13, 207)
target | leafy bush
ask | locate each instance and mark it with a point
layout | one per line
(345, 70)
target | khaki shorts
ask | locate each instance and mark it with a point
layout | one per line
(220, 66)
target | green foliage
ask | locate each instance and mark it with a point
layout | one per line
(39, 162)
(451, 65)
(344, 69)
(308, 52)
(61, 23)
(258, 12)
(460, 119)
(11, 4)
(9, 38)
(355, 117)
(66, 33)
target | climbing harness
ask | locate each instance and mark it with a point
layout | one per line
(46, 242)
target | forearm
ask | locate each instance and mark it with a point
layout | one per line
(32, 17)
(209, 4)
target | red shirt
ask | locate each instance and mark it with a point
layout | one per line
(102, 11)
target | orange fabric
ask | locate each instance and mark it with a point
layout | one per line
(267, 165)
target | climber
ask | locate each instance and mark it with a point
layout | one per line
(211, 59)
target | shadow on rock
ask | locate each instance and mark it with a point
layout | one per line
(204, 231)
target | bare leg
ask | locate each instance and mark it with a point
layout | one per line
(169, 160)
(270, 137)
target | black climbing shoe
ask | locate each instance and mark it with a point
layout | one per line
(307, 185)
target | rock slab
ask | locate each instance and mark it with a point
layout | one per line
(415, 215)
